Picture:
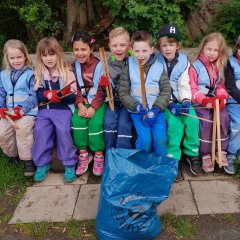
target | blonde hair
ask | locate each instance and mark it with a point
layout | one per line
(50, 45)
(16, 44)
(223, 55)
(119, 31)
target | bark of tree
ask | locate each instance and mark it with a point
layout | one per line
(200, 18)
(79, 14)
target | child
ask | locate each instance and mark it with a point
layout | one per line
(149, 122)
(53, 120)
(233, 108)
(176, 64)
(17, 95)
(117, 123)
(87, 121)
(207, 84)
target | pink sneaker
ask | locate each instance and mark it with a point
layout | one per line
(83, 164)
(224, 159)
(207, 164)
(98, 165)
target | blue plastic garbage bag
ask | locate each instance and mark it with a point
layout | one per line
(133, 184)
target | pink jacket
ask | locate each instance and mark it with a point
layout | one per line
(197, 96)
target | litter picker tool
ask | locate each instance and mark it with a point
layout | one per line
(66, 86)
(106, 74)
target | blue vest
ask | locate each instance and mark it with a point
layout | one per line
(177, 71)
(236, 67)
(20, 92)
(151, 80)
(96, 76)
(204, 82)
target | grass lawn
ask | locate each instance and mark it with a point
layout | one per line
(11, 176)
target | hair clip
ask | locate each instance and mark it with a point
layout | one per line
(92, 40)
(72, 38)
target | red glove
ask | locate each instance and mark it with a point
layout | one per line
(222, 101)
(66, 90)
(209, 102)
(18, 113)
(2, 112)
(52, 96)
(103, 81)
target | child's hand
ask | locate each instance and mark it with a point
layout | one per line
(2, 112)
(140, 109)
(18, 113)
(52, 96)
(222, 101)
(90, 112)
(209, 102)
(66, 90)
(82, 110)
(186, 106)
(174, 109)
(152, 116)
(103, 81)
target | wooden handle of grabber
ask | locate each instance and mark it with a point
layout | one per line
(12, 122)
(143, 89)
(218, 133)
(106, 74)
(214, 136)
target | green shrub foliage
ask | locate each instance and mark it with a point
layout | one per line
(226, 20)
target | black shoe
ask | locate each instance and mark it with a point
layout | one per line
(179, 177)
(29, 168)
(195, 165)
(15, 160)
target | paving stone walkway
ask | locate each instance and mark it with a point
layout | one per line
(55, 201)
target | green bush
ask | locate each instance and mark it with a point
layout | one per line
(149, 15)
(226, 20)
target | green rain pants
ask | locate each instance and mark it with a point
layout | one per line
(179, 127)
(88, 132)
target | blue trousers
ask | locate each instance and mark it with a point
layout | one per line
(117, 128)
(151, 136)
(53, 124)
(234, 137)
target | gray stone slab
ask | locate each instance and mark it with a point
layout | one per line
(87, 203)
(56, 179)
(180, 201)
(216, 196)
(48, 203)
(187, 175)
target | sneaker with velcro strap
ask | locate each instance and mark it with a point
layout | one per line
(195, 165)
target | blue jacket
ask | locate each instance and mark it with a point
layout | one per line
(156, 82)
(17, 89)
(179, 78)
(151, 81)
(236, 70)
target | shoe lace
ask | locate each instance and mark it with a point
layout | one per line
(83, 162)
(196, 161)
(98, 162)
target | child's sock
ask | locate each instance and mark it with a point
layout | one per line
(83, 153)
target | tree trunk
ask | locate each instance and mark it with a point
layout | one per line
(79, 14)
(200, 18)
